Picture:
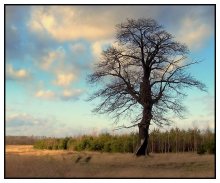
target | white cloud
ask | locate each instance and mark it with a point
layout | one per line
(27, 124)
(19, 74)
(68, 94)
(21, 119)
(66, 23)
(98, 46)
(77, 48)
(193, 32)
(52, 57)
(45, 94)
(64, 95)
(57, 63)
(64, 79)
(97, 24)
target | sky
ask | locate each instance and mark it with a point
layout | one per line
(50, 50)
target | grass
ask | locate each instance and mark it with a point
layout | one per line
(24, 161)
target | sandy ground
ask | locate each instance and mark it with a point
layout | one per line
(26, 162)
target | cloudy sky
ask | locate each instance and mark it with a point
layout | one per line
(51, 49)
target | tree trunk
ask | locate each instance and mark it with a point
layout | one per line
(143, 140)
(145, 92)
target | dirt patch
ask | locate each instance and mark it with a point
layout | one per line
(24, 161)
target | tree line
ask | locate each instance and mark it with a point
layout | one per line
(21, 140)
(175, 140)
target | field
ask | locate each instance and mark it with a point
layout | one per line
(24, 161)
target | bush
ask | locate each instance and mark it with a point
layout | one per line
(211, 147)
(71, 144)
(117, 145)
(128, 146)
(83, 143)
(40, 144)
(50, 143)
(97, 145)
(201, 149)
(107, 147)
(208, 147)
(55, 144)
(62, 143)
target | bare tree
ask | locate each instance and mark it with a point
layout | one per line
(143, 77)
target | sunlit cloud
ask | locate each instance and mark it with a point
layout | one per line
(78, 48)
(65, 95)
(21, 119)
(69, 94)
(74, 23)
(45, 94)
(64, 79)
(193, 32)
(58, 21)
(60, 66)
(97, 48)
(16, 74)
(51, 57)
(27, 124)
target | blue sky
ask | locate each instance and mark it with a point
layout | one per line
(50, 50)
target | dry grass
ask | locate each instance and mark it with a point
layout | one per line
(24, 161)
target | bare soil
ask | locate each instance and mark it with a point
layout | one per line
(26, 162)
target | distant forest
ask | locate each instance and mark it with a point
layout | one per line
(21, 140)
(174, 140)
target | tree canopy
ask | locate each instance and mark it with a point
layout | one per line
(146, 68)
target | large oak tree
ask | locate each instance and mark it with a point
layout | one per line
(143, 77)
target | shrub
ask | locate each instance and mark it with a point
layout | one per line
(55, 144)
(117, 146)
(128, 146)
(62, 143)
(40, 144)
(83, 143)
(97, 145)
(211, 147)
(201, 149)
(71, 144)
(50, 143)
(107, 147)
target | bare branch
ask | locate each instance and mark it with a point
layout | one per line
(123, 126)
(143, 78)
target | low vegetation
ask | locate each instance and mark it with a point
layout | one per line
(175, 140)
